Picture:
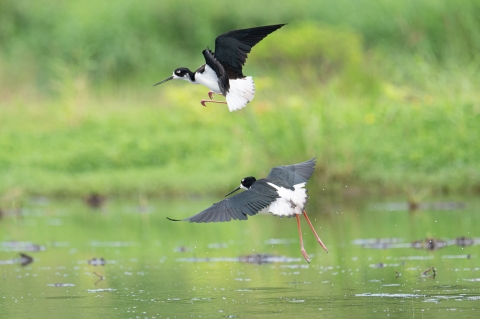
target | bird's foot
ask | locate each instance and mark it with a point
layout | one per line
(322, 244)
(211, 101)
(305, 255)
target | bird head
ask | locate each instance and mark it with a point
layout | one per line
(245, 183)
(179, 74)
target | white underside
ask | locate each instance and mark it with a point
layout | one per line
(290, 202)
(241, 92)
(209, 79)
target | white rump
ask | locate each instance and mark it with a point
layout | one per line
(240, 93)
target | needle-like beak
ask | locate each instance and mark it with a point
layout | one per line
(236, 189)
(167, 79)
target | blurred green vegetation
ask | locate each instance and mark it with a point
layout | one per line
(383, 93)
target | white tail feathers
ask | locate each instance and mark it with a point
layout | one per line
(290, 203)
(240, 93)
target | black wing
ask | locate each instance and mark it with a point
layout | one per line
(293, 174)
(249, 202)
(232, 48)
(218, 69)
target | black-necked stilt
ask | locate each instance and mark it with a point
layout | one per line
(222, 72)
(281, 193)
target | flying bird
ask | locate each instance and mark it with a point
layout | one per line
(281, 193)
(222, 72)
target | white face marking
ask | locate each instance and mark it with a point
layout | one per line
(241, 186)
(185, 77)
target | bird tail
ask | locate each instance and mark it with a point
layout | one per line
(240, 93)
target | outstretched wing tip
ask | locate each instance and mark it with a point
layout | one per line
(294, 174)
(233, 47)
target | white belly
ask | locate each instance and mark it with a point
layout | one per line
(290, 202)
(241, 91)
(209, 79)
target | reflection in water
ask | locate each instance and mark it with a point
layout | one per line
(61, 285)
(100, 277)
(112, 243)
(20, 246)
(464, 241)
(388, 295)
(217, 245)
(24, 260)
(430, 272)
(280, 241)
(181, 249)
(97, 261)
(429, 244)
(383, 265)
(101, 290)
(95, 200)
(257, 259)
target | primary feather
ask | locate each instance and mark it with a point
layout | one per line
(232, 48)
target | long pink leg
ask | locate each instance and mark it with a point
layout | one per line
(313, 229)
(304, 253)
(211, 101)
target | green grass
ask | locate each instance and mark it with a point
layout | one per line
(383, 94)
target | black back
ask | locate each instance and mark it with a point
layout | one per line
(293, 174)
(218, 68)
(232, 48)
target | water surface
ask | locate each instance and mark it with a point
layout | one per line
(126, 260)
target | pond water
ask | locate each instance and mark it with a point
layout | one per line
(126, 260)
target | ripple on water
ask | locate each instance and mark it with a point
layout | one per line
(465, 256)
(252, 259)
(279, 241)
(426, 297)
(101, 290)
(61, 285)
(387, 295)
(96, 243)
(20, 246)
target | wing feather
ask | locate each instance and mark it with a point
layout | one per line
(249, 202)
(232, 48)
(293, 174)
